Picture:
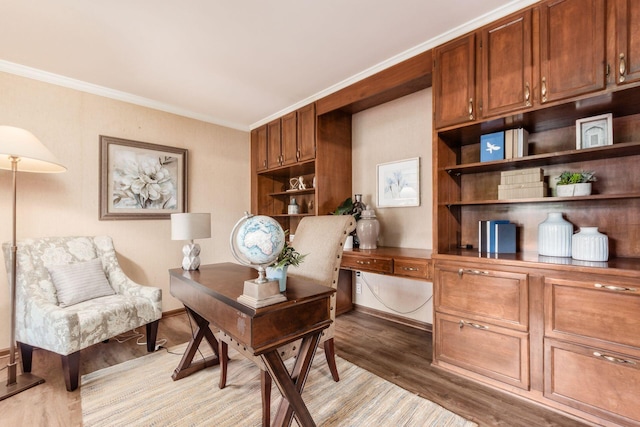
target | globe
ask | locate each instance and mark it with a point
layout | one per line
(256, 241)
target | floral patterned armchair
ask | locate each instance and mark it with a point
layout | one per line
(43, 322)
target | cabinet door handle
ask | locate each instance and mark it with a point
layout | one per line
(363, 262)
(473, 325)
(613, 359)
(264, 163)
(527, 94)
(543, 89)
(622, 69)
(614, 288)
(470, 271)
(410, 269)
(470, 108)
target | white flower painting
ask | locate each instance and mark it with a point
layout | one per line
(399, 183)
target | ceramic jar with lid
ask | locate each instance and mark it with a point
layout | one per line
(368, 229)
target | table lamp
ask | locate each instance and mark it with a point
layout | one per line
(20, 150)
(190, 226)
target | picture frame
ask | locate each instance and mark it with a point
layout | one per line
(596, 131)
(140, 180)
(399, 183)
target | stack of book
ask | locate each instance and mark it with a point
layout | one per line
(497, 236)
(522, 184)
(508, 144)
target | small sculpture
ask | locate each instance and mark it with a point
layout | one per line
(301, 184)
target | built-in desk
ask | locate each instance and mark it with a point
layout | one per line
(402, 262)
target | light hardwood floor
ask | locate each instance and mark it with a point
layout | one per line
(398, 353)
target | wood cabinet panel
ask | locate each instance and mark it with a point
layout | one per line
(454, 82)
(273, 144)
(627, 64)
(572, 48)
(373, 264)
(594, 381)
(259, 147)
(288, 139)
(307, 133)
(493, 296)
(597, 308)
(507, 65)
(492, 351)
(414, 268)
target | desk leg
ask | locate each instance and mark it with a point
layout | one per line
(291, 386)
(186, 367)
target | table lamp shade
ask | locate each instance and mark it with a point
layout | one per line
(189, 226)
(32, 154)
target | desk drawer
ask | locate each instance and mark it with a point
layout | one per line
(371, 264)
(415, 268)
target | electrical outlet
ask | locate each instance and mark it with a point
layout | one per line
(358, 288)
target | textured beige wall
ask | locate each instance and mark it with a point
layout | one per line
(69, 123)
(393, 131)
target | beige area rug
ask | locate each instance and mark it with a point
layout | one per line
(141, 392)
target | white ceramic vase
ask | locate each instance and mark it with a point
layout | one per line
(590, 245)
(554, 236)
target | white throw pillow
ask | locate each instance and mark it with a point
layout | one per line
(79, 282)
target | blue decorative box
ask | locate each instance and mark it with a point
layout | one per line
(492, 147)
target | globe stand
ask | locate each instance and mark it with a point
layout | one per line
(261, 292)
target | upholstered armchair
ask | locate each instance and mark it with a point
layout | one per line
(64, 303)
(321, 239)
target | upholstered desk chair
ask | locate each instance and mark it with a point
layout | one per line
(64, 303)
(321, 239)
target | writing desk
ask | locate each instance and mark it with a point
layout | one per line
(210, 296)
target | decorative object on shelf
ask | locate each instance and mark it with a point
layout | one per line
(310, 206)
(256, 241)
(399, 183)
(190, 226)
(314, 181)
(368, 229)
(492, 146)
(293, 184)
(590, 245)
(293, 208)
(594, 131)
(21, 151)
(139, 180)
(575, 183)
(288, 256)
(522, 184)
(301, 184)
(516, 143)
(554, 236)
(497, 236)
(349, 207)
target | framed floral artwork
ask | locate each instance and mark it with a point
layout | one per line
(139, 180)
(399, 183)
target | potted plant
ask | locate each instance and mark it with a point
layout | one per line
(288, 256)
(349, 207)
(572, 183)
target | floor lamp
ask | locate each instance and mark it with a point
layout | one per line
(20, 150)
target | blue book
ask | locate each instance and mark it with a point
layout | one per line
(492, 147)
(491, 233)
(505, 238)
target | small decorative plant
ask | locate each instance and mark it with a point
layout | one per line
(288, 256)
(348, 207)
(568, 177)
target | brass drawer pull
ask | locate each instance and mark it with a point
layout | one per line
(622, 69)
(470, 271)
(363, 262)
(470, 108)
(613, 359)
(473, 325)
(527, 95)
(614, 288)
(543, 90)
(410, 269)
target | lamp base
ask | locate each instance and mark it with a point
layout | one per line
(258, 295)
(191, 260)
(23, 382)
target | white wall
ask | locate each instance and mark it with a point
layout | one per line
(396, 130)
(69, 123)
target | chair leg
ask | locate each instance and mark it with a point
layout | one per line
(26, 355)
(71, 370)
(152, 334)
(330, 354)
(265, 386)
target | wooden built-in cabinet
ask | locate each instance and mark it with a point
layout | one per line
(559, 331)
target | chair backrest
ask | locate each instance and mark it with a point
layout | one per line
(321, 239)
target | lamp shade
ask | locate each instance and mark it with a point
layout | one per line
(32, 154)
(189, 226)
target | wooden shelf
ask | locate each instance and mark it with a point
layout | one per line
(301, 168)
(293, 192)
(560, 157)
(593, 197)
(291, 216)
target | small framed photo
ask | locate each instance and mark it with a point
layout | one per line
(594, 131)
(399, 183)
(139, 180)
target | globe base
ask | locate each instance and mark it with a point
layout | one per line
(258, 295)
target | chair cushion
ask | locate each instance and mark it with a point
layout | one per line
(79, 282)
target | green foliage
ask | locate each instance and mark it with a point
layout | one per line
(568, 177)
(288, 255)
(347, 208)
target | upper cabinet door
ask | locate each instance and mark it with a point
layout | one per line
(259, 147)
(307, 132)
(507, 65)
(454, 82)
(572, 48)
(289, 139)
(274, 158)
(627, 65)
